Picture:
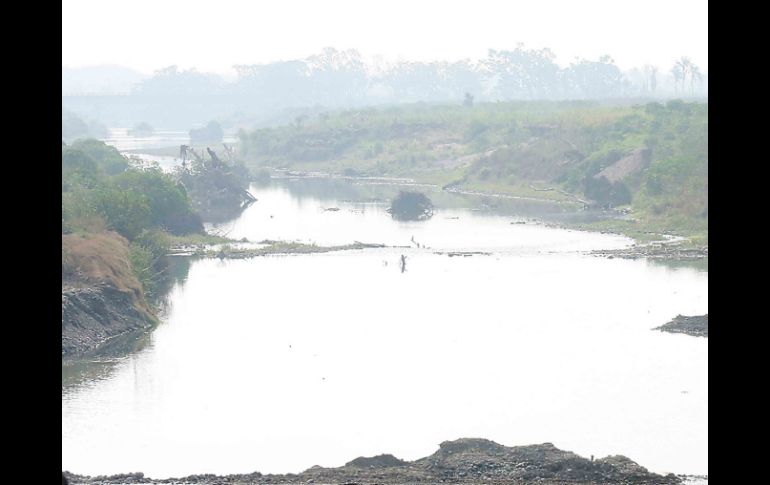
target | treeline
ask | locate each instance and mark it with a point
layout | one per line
(342, 78)
(102, 191)
(280, 92)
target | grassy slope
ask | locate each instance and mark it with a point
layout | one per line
(102, 258)
(515, 148)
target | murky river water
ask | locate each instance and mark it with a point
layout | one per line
(279, 363)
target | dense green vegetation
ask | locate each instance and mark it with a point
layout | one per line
(102, 192)
(653, 157)
(217, 189)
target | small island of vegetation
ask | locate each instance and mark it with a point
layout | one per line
(411, 206)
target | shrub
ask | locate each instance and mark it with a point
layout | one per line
(411, 206)
(107, 157)
(124, 211)
(167, 201)
(78, 169)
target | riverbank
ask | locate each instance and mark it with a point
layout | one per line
(673, 251)
(622, 221)
(94, 316)
(649, 160)
(103, 301)
(697, 326)
(231, 251)
(462, 461)
(102, 298)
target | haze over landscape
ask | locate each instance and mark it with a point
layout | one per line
(385, 242)
(192, 34)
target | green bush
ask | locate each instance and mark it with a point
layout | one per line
(411, 206)
(169, 207)
(78, 169)
(147, 258)
(125, 211)
(143, 266)
(107, 157)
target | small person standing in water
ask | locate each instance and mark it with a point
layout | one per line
(403, 263)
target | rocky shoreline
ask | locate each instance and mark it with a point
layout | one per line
(462, 461)
(697, 326)
(268, 248)
(655, 251)
(94, 315)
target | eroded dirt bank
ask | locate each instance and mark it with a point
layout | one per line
(92, 316)
(101, 297)
(463, 461)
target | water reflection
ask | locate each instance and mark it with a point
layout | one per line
(95, 366)
(697, 264)
(362, 190)
(175, 274)
(101, 364)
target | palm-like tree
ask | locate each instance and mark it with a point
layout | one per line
(682, 68)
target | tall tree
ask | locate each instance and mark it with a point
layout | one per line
(682, 68)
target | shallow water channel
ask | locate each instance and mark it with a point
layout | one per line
(279, 363)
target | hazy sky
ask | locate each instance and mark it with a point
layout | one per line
(214, 35)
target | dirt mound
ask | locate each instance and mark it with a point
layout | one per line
(464, 445)
(462, 461)
(623, 465)
(379, 461)
(453, 453)
(479, 459)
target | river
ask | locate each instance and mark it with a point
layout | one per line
(279, 363)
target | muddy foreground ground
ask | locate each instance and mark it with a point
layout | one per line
(463, 461)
